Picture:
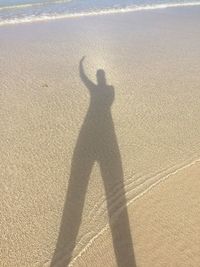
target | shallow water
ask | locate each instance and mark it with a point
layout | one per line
(21, 11)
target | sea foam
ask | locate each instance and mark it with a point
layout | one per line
(56, 16)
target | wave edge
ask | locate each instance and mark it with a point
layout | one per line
(45, 17)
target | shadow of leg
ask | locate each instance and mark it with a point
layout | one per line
(73, 207)
(122, 241)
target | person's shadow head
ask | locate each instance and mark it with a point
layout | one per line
(101, 77)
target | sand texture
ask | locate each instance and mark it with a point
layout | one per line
(101, 173)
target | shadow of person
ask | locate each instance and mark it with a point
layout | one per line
(97, 142)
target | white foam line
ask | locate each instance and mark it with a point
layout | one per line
(162, 179)
(22, 6)
(31, 19)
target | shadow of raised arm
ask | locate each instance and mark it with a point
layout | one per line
(89, 84)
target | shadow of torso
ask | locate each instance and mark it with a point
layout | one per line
(97, 135)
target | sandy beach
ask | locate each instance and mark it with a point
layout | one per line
(101, 168)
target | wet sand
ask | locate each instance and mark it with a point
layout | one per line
(165, 225)
(105, 173)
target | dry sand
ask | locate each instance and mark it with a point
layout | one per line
(147, 144)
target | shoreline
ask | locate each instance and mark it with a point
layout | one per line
(46, 18)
